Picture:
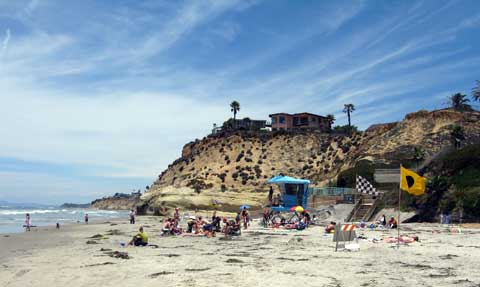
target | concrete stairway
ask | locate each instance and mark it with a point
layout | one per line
(364, 208)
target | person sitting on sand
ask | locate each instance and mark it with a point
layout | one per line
(306, 217)
(167, 226)
(392, 223)
(208, 229)
(214, 215)
(330, 227)
(190, 224)
(382, 221)
(216, 223)
(198, 225)
(140, 239)
(229, 226)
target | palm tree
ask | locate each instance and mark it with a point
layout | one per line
(331, 119)
(458, 135)
(476, 92)
(235, 107)
(349, 108)
(459, 102)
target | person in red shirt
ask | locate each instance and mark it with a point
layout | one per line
(392, 223)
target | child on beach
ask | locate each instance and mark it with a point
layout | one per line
(86, 218)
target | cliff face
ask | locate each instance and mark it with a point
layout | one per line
(428, 130)
(117, 202)
(233, 169)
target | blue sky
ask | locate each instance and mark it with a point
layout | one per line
(98, 97)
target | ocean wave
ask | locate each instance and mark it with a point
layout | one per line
(34, 211)
(66, 211)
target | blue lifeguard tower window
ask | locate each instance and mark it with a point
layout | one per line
(296, 190)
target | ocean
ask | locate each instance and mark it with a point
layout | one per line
(12, 219)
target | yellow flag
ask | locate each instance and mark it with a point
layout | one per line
(412, 182)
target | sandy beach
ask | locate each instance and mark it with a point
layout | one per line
(259, 257)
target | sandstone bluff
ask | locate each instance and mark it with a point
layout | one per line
(232, 169)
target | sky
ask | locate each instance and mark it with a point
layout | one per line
(98, 97)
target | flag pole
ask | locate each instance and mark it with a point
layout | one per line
(399, 202)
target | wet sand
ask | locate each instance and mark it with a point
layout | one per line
(259, 257)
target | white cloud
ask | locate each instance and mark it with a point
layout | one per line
(5, 42)
(137, 133)
(189, 16)
(116, 110)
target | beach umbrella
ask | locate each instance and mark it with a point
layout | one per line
(297, 208)
(244, 206)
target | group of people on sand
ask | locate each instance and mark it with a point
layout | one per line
(196, 226)
(382, 222)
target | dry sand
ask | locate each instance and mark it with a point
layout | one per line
(259, 257)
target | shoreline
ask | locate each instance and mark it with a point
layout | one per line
(12, 220)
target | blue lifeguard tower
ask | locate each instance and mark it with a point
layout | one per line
(294, 192)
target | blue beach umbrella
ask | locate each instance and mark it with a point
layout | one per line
(244, 206)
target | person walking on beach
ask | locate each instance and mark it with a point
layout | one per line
(28, 222)
(86, 218)
(132, 217)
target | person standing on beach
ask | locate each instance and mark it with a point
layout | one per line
(132, 217)
(28, 222)
(270, 196)
(86, 218)
(245, 218)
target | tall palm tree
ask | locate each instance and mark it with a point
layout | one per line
(235, 107)
(459, 102)
(348, 109)
(476, 92)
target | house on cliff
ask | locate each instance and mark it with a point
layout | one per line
(241, 124)
(299, 121)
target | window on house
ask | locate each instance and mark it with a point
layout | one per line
(304, 120)
(274, 120)
(282, 120)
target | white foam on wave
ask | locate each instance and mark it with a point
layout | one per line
(33, 211)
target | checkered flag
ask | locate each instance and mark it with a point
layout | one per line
(363, 186)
